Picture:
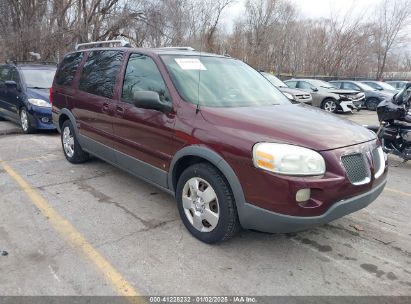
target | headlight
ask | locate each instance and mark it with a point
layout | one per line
(39, 103)
(288, 95)
(344, 97)
(288, 159)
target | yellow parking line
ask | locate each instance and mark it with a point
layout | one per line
(67, 230)
(398, 192)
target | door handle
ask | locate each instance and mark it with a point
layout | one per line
(119, 110)
(105, 108)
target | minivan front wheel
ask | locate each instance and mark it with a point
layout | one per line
(71, 147)
(206, 204)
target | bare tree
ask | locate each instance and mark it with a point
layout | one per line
(391, 17)
(269, 34)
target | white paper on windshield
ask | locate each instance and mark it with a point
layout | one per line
(190, 64)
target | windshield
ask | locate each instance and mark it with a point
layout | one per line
(220, 82)
(365, 87)
(274, 80)
(386, 86)
(38, 78)
(401, 85)
(322, 84)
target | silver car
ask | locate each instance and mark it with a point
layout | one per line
(294, 95)
(328, 97)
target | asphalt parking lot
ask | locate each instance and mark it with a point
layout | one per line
(92, 229)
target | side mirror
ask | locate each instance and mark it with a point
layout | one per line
(314, 89)
(150, 100)
(11, 84)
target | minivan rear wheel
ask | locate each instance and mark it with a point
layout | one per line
(71, 147)
(206, 204)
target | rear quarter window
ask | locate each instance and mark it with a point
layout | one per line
(100, 72)
(68, 68)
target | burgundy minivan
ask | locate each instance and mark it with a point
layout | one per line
(214, 133)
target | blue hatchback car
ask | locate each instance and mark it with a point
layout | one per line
(25, 95)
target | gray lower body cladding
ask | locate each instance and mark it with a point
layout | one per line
(263, 220)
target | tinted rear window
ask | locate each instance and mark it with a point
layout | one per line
(67, 69)
(100, 72)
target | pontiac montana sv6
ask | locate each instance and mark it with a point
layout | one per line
(213, 132)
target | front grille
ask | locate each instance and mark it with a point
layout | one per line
(356, 168)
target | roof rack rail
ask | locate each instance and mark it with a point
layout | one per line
(95, 44)
(17, 62)
(178, 48)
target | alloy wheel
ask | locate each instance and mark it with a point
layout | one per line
(24, 120)
(200, 204)
(330, 106)
(372, 104)
(68, 142)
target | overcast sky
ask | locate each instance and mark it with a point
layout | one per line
(312, 8)
(325, 8)
(316, 9)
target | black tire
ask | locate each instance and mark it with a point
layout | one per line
(228, 224)
(326, 102)
(371, 104)
(78, 156)
(25, 121)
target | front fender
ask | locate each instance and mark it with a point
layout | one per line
(219, 162)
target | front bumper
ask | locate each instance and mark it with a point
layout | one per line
(359, 103)
(347, 106)
(40, 118)
(260, 219)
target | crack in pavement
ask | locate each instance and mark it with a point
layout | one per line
(103, 198)
(42, 187)
(161, 224)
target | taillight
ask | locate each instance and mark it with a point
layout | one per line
(51, 96)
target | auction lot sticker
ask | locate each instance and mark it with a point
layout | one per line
(190, 64)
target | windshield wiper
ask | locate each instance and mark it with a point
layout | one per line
(38, 88)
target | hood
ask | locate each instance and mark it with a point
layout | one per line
(344, 92)
(391, 92)
(293, 124)
(379, 94)
(39, 94)
(292, 91)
